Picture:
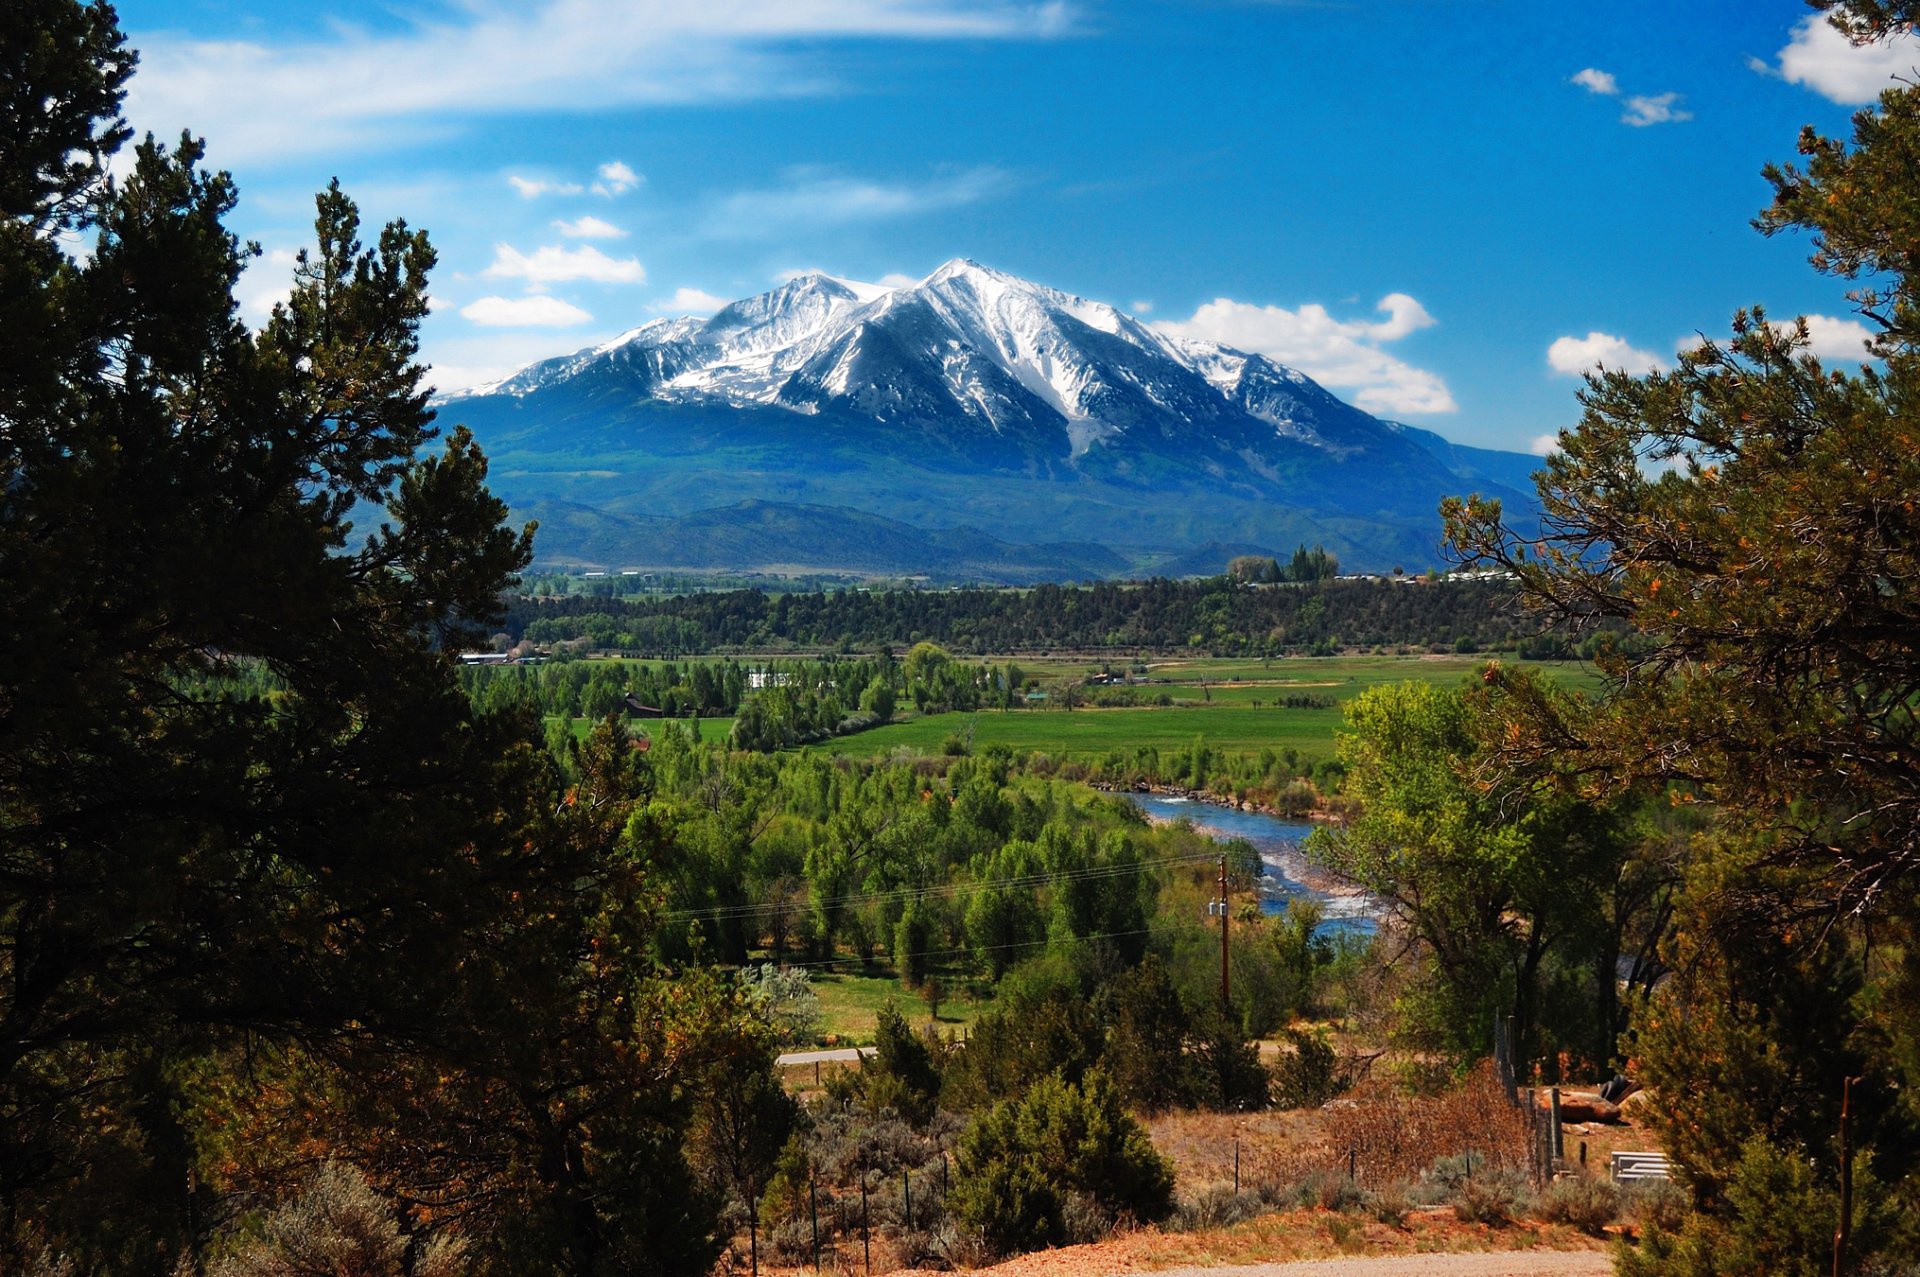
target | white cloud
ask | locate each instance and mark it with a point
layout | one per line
(1834, 67)
(1576, 355)
(690, 301)
(1141, 308)
(1342, 354)
(267, 283)
(458, 362)
(1544, 445)
(1832, 338)
(551, 264)
(814, 197)
(895, 280)
(1643, 110)
(589, 228)
(616, 179)
(534, 187)
(350, 88)
(1594, 80)
(524, 312)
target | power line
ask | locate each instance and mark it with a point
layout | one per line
(1020, 944)
(1044, 878)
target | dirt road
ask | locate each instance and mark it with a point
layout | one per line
(1511, 1263)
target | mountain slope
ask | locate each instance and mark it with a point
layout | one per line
(972, 398)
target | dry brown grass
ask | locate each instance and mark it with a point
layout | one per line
(1275, 1147)
(1391, 1136)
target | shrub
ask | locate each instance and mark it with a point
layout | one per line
(1330, 1190)
(1228, 1073)
(337, 1227)
(1776, 1218)
(785, 999)
(1018, 1163)
(1493, 1198)
(1307, 1076)
(1218, 1206)
(1587, 1204)
(1657, 1203)
(902, 1074)
(1390, 1204)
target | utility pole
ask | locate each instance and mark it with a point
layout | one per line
(1226, 1003)
(1843, 1234)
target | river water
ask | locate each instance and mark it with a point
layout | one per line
(1278, 840)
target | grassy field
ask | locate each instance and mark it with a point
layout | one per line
(850, 1004)
(1088, 733)
(1214, 700)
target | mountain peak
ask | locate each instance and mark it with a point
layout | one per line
(973, 389)
(962, 266)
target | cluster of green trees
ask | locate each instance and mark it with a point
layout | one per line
(1219, 616)
(811, 701)
(1515, 905)
(1306, 565)
(779, 703)
(594, 689)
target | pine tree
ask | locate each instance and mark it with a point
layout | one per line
(267, 880)
(1752, 516)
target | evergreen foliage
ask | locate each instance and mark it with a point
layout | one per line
(1019, 1162)
(1752, 513)
(271, 889)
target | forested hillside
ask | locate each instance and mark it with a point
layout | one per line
(1216, 616)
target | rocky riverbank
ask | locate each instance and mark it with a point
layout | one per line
(1291, 862)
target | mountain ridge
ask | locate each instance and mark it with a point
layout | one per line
(971, 394)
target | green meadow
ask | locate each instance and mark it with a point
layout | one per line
(1231, 704)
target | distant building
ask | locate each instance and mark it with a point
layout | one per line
(636, 710)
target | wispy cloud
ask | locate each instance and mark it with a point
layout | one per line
(1594, 80)
(820, 197)
(1342, 354)
(690, 301)
(589, 228)
(1573, 356)
(552, 264)
(1642, 109)
(524, 312)
(616, 179)
(357, 89)
(468, 359)
(534, 187)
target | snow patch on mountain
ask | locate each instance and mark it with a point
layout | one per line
(968, 343)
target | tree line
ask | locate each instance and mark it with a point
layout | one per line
(1217, 616)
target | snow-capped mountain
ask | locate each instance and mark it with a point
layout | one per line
(971, 371)
(1014, 356)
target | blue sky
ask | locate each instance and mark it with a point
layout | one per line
(1442, 209)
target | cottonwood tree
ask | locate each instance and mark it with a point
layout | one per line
(1490, 879)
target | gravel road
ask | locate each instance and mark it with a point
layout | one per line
(1511, 1263)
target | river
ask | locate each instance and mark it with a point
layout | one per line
(1278, 840)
